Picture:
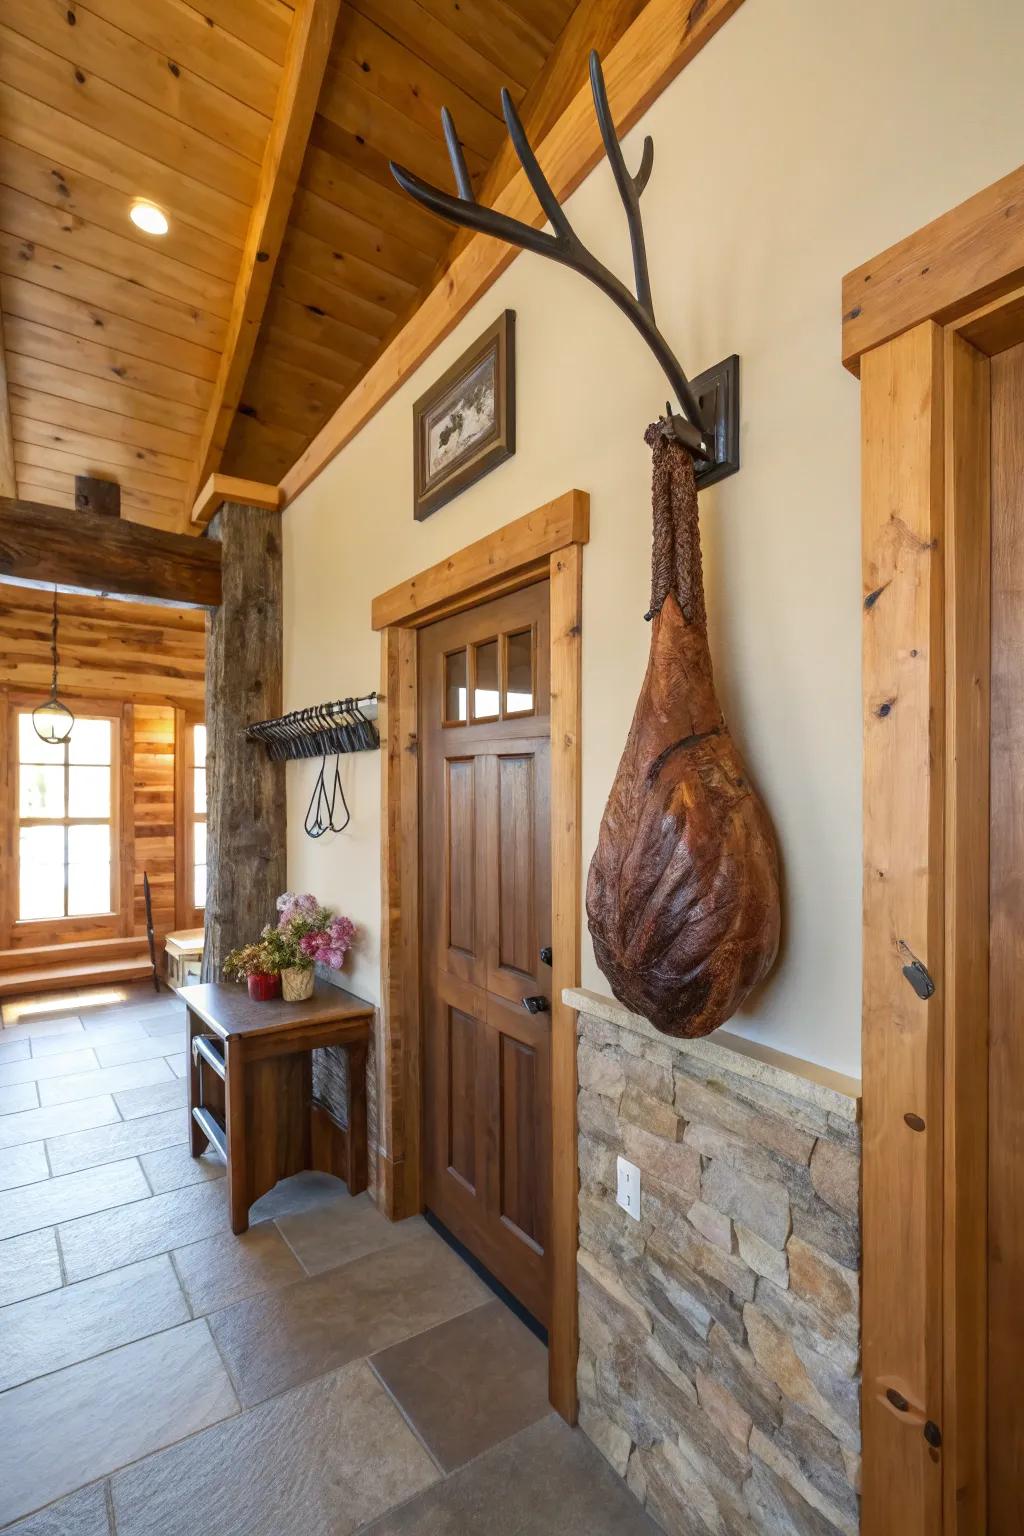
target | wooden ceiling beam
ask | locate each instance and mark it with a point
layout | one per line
(662, 40)
(221, 488)
(87, 552)
(8, 475)
(309, 45)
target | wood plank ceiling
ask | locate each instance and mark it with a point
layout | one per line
(113, 338)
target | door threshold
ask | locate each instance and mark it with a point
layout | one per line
(491, 1281)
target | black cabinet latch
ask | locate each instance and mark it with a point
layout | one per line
(536, 1005)
(546, 954)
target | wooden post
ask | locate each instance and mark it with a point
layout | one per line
(245, 790)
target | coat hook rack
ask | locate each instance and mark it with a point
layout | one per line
(708, 423)
(340, 726)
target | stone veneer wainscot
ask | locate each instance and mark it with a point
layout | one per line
(719, 1367)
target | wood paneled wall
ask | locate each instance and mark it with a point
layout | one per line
(144, 655)
(153, 814)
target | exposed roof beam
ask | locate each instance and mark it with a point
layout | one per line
(662, 40)
(309, 46)
(8, 477)
(87, 552)
(221, 488)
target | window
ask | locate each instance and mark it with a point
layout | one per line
(197, 736)
(65, 801)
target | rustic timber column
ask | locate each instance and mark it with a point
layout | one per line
(245, 791)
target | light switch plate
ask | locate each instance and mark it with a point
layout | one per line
(628, 1192)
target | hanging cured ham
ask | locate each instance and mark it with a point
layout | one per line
(683, 895)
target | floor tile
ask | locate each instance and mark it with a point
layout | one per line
(113, 1034)
(33, 1028)
(65, 1430)
(94, 1244)
(165, 1024)
(36, 1068)
(86, 1085)
(175, 1167)
(153, 1100)
(152, 1008)
(56, 1120)
(444, 1381)
(343, 1230)
(81, 1514)
(223, 1269)
(14, 1050)
(80, 1321)
(15, 1097)
(136, 1047)
(548, 1478)
(108, 1143)
(74, 1194)
(279, 1340)
(178, 1063)
(321, 1460)
(29, 1265)
(302, 1192)
(23, 1165)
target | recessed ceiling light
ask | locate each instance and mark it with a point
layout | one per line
(149, 218)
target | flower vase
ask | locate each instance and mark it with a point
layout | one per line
(263, 987)
(297, 983)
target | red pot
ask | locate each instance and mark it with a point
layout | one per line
(263, 988)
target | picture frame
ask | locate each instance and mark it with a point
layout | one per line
(464, 425)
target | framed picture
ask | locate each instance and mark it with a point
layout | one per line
(465, 424)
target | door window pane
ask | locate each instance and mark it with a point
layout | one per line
(88, 870)
(485, 686)
(199, 791)
(199, 746)
(41, 872)
(88, 791)
(455, 686)
(199, 886)
(40, 790)
(31, 749)
(89, 742)
(519, 672)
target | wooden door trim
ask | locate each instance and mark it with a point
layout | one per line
(926, 556)
(547, 544)
(964, 259)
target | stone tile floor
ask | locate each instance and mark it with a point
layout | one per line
(327, 1373)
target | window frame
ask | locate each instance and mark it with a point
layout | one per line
(186, 913)
(15, 931)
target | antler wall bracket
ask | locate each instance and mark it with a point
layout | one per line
(708, 422)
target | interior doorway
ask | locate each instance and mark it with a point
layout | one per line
(542, 550)
(1006, 955)
(486, 935)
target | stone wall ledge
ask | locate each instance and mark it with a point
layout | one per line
(829, 1091)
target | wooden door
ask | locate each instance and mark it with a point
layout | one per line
(484, 691)
(1006, 958)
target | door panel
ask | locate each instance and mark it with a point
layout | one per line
(1006, 957)
(485, 859)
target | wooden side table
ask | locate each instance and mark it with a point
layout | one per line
(184, 952)
(250, 1087)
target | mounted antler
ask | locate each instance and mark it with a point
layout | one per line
(564, 245)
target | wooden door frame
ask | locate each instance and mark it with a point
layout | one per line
(543, 545)
(920, 324)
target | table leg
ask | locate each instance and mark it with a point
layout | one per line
(197, 1142)
(238, 1161)
(356, 1116)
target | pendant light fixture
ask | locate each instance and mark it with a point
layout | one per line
(53, 720)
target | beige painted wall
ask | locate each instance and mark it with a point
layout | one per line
(826, 131)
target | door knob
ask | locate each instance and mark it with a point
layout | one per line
(546, 954)
(536, 1005)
